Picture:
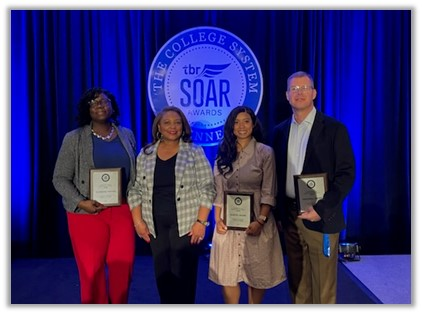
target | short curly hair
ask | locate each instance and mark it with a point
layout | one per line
(84, 117)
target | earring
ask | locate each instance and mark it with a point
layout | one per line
(159, 135)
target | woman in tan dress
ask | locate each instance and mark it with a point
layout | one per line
(253, 256)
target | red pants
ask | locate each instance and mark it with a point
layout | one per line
(104, 240)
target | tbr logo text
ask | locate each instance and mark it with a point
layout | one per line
(206, 72)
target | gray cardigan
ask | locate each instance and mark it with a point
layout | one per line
(75, 159)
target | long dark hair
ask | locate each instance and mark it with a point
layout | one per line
(186, 130)
(227, 149)
(84, 116)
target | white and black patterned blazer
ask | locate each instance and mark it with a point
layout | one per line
(194, 185)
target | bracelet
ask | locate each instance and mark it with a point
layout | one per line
(259, 222)
(203, 222)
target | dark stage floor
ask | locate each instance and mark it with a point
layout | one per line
(55, 281)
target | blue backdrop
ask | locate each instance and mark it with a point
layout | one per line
(360, 60)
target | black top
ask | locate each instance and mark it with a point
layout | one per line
(164, 187)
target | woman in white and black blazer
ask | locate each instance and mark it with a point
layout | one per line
(170, 202)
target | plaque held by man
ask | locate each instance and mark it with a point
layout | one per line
(309, 189)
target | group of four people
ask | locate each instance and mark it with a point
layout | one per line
(170, 189)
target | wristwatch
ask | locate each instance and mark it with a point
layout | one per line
(203, 222)
(263, 218)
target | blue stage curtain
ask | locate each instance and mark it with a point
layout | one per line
(360, 59)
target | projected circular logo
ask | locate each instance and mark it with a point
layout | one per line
(206, 72)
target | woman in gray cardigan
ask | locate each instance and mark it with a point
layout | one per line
(101, 232)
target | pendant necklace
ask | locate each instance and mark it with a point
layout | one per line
(104, 138)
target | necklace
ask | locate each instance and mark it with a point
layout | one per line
(104, 138)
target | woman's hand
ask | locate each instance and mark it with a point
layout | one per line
(142, 230)
(221, 227)
(91, 206)
(254, 229)
(197, 233)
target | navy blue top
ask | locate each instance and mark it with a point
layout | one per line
(112, 155)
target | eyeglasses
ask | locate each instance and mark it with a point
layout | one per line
(297, 89)
(101, 102)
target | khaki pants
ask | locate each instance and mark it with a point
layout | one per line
(312, 276)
